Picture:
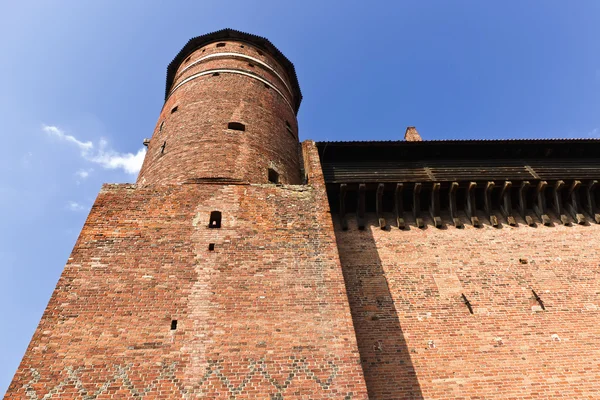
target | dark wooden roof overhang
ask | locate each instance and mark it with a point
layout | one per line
(231, 34)
(487, 181)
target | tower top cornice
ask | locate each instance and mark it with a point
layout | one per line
(232, 34)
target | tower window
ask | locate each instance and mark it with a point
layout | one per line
(259, 52)
(216, 74)
(220, 44)
(288, 126)
(173, 324)
(160, 128)
(273, 176)
(236, 126)
(211, 247)
(174, 109)
(187, 59)
(251, 65)
(215, 219)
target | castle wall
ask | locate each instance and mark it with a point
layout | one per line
(417, 338)
(263, 315)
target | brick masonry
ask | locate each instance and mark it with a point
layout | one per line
(417, 338)
(197, 142)
(263, 315)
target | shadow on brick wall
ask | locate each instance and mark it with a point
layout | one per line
(385, 357)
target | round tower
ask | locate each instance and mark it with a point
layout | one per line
(229, 115)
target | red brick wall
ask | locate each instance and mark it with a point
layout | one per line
(417, 338)
(264, 315)
(198, 143)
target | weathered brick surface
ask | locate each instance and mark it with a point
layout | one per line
(417, 338)
(198, 144)
(264, 315)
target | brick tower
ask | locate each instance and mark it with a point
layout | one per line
(217, 275)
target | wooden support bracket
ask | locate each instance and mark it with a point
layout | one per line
(343, 221)
(434, 207)
(453, 208)
(506, 203)
(574, 205)
(488, 203)
(417, 205)
(470, 206)
(523, 203)
(558, 203)
(591, 201)
(399, 206)
(360, 210)
(540, 203)
(379, 207)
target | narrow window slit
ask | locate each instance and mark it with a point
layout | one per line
(467, 303)
(220, 44)
(162, 125)
(538, 299)
(236, 126)
(174, 109)
(173, 324)
(259, 52)
(211, 247)
(187, 59)
(215, 219)
(162, 148)
(216, 74)
(251, 65)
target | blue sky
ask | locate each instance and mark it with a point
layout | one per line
(82, 84)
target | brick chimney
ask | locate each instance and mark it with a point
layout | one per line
(411, 135)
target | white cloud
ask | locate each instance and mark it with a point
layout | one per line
(75, 206)
(101, 154)
(56, 132)
(83, 173)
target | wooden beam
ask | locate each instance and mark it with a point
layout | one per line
(470, 206)
(574, 205)
(360, 210)
(434, 207)
(523, 203)
(558, 203)
(591, 201)
(453, 208)
(506, 203)
(488, 203)
(417, 205)
(344, 222)
(399, 206)
(540, 203)
(379, 206)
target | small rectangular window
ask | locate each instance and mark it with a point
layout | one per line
(273, 176)
(173, 324)
(215, 219)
